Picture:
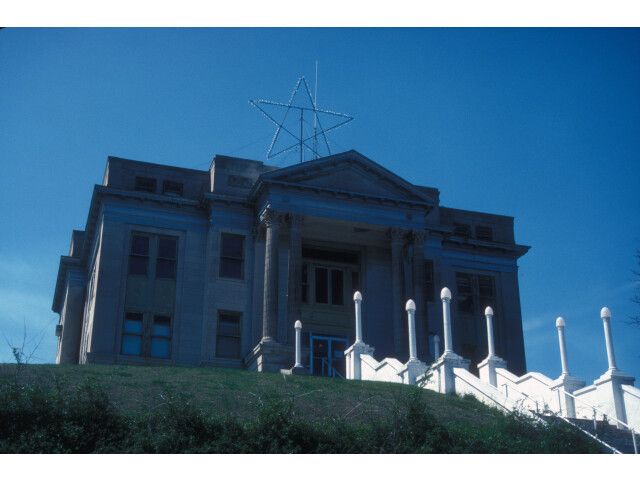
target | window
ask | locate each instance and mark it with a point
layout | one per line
(484, 233)
(132, 335)
(475, 293)
(139, 255)
(145, 184)
(167, 256)
(428, 280)
(464, 283)
(136, 339)
(232, 256)
(462, 229)
(150, 295)
(228, 335)
(173, 189)
(327, 276)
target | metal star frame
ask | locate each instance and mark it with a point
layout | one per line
(301, 141)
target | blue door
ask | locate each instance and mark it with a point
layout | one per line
(327, 355)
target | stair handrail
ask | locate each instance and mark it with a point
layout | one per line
(525, 395)
(605, 415)
(613, 449)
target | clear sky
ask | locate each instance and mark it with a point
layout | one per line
(539, 124)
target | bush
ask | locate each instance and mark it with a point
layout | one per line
(33, 420)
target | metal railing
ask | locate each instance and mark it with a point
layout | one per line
(528, 397)
(613, 449)
(604, 415)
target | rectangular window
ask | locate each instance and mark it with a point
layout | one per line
(464, 283)
(484, 233)
(167, 257)
(161, 336)
(139, 255)
(149, 302)
(232, 256)
(133, 333)
(228, 335)
(145, 184)
(337, 287)
(428, 280)
(486, 292)
(172, 189)
(462, 229)
(322, 285)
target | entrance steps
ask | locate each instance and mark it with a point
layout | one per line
(620, 439)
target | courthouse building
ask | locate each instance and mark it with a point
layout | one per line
(188, 267)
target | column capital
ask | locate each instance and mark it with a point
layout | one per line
(295, 220)
(397, 235)
(271, 217)
(418, 237)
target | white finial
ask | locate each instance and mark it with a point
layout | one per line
(298, 324)
(411, 305)
(560, 322)
(357, 296)
(605, 313)
(445, 293)
(488, 311)
(436, 338)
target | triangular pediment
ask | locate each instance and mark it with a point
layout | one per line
(349, 172)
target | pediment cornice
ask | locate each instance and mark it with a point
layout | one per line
(348, 173)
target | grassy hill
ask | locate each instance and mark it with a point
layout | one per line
(60, 408)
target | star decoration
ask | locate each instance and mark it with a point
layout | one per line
(302, 142)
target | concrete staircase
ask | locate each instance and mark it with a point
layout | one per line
(611, 435)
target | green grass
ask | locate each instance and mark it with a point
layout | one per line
(89, 408)
(240, 393)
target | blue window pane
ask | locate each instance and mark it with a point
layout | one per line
(160, 347)
(161, 330)
(131, 345)
(132, 326)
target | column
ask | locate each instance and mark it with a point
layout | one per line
(294, 303)
(605, 314)
(560, 324)
(271, 220)
(445, 295)
(397, 236)
(418, 237)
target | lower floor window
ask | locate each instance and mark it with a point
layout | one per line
(146, 334)
(228, 336)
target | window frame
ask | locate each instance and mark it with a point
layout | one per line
(219, 335)
(241, 258)
(140, 187)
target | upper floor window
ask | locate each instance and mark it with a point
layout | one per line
(173, 189)
(158, 252)
(462, 229)
(428, 280)
(484, 233)
(328, 276)
(146, 184)
(232, 256)
(475, 293)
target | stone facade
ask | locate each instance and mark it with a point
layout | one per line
(187, 267)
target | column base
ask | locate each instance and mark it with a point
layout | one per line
(487, 369)
(295, 371)
(609, 389)
(412, 370)
(269, 356)
(443, 369)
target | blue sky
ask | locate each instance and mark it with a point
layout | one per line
(539, 124)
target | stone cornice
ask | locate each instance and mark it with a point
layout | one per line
(66, 263)
(336, 193)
